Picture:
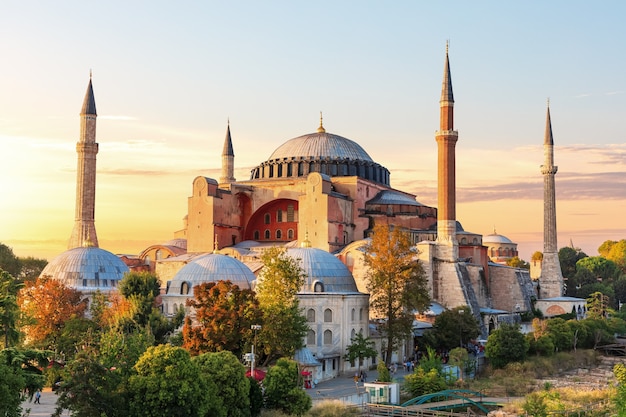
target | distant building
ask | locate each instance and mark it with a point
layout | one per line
(500, 249)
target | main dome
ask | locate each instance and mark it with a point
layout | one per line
(320, 145)
(322, 152)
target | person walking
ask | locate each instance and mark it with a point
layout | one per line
(37, 397)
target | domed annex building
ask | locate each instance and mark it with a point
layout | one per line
(500, 248)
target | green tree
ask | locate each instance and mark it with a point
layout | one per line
(30, 268)
(224, 370)
(396, 282)
(9, 308)
(360, 348)
(516, 262)
(568, 257)
(256, 397)
(535, 405)
(423, 382)
(11, 385)
(223, 320)
(167, 383)
(603, 269)
(8, 261)
(283, 389)
(459, 358)
(455, 327)
(506, 344)
(284, 325)
(598, 306)
(561, 333)
(383, 372)
(614, 251)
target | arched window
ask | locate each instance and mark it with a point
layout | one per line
(352, 314)
(290, 234)
(328, 315)
(352, 334)
(310, 337)
(328, 337)
(267, 218)
(290, 213)
(279, 234)
(318, 287)
(267, 234)
(361, 314)
(256, 235)
(279, 216)
(158, 254)
(310, 315)
(175, 308)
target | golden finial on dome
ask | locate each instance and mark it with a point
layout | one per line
(321, 128)
(305, 243)
(215, 245)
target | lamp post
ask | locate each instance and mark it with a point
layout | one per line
(255, 328)
(461, 327)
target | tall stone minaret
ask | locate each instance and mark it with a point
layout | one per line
(551, 279)
(84, 232)
(446, 141)
(228, 159)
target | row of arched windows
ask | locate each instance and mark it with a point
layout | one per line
(328, 337)
(328, 315)
(268, 234)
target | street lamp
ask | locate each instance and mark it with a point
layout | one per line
(255, 328)
(461, 326)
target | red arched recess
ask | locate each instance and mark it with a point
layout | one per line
(276, 221)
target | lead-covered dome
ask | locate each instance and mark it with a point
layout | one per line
(212, 267)
(324, 272)
(321, 152)
(496, 238)
(87, 269)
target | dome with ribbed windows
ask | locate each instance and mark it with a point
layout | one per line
(322, 152)
(324, 272)
(87, 269)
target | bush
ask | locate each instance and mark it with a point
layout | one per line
(333, 408)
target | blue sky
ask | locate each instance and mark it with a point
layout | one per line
(167, 76)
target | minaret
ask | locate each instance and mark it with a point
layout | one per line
(228, 159)
(84, 232)
(446, 141)
(551, 280)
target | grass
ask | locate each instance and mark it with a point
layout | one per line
(329, 408)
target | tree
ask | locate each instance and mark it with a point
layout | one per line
(284, 326)
(30, 268)
(603, 269)
(506, 344)
(360, 348)
(568, 257)
(619, 370)
(614, 251)
(224, 370)
(516, 262)
(48, 304)
(455, 327)
(167, 383)
(9, 308)
(8, 261)
(11, 385)
(396, 282)
(598, 306)
(223, 316)
(561, 333)
(383, 372)
(423, 382)
(283, 389)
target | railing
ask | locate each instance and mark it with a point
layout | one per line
(381, 410)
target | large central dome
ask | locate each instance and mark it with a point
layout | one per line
(320, 145)
(322, 152)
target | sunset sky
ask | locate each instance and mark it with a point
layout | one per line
(168, 75)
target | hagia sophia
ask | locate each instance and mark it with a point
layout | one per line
(319, 195)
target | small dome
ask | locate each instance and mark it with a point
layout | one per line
(496, 238)
(324, 272)
(179, 243)
(87, 269)
(212, 267)
(320, 145)
(393, 197)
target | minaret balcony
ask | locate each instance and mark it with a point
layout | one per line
(447, 133)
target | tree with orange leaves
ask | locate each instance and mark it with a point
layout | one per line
(47, 304)
(223, 316)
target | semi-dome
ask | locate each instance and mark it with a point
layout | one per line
(324, 272)
(87, 269)
(322, 152)
(212, 267)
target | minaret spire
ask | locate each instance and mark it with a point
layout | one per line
(446, 139)
(84, 232)
(551, 280)
(228, 159)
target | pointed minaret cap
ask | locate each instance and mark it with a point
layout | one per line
(446, 85)
(548, 139)
(321, 128)
(89, 103)
(228, 143)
